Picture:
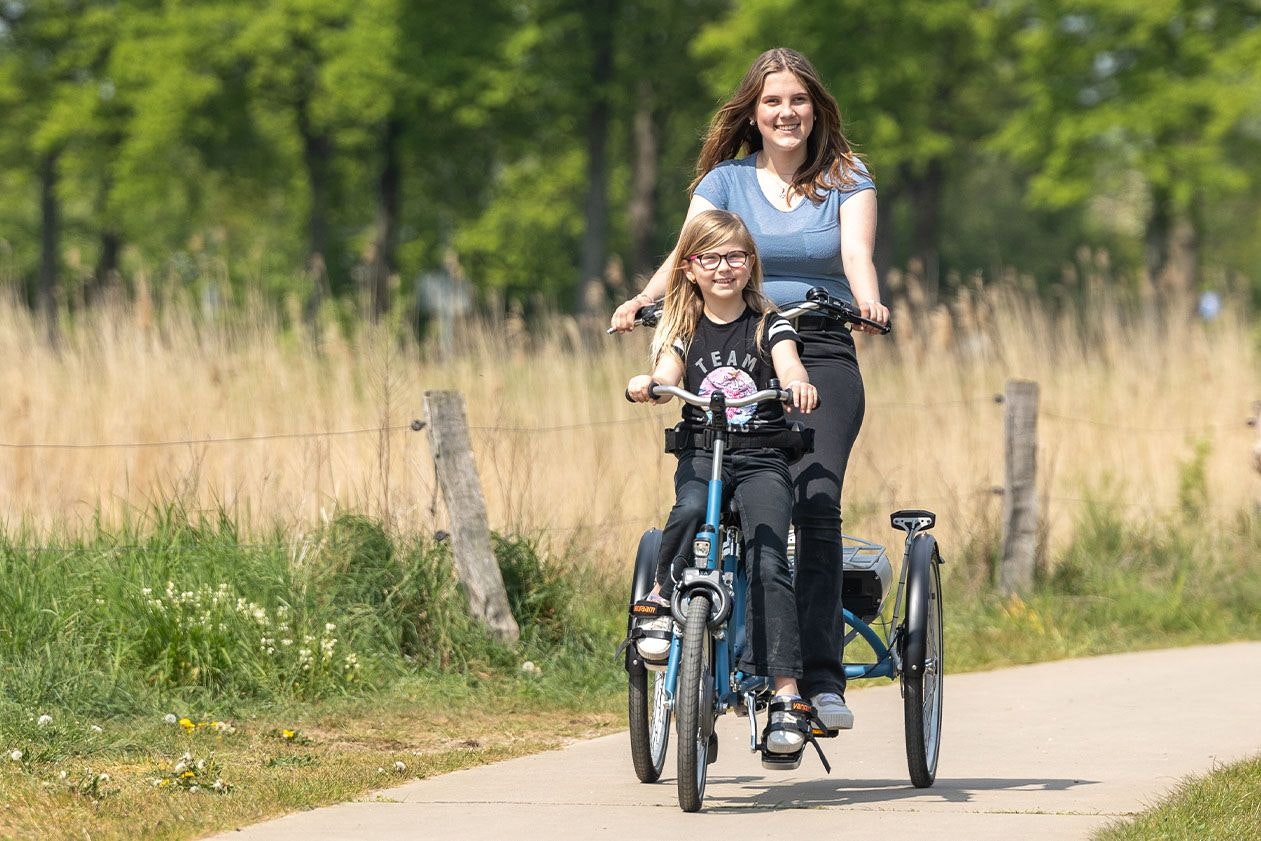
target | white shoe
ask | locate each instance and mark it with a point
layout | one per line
(832, 711)
(786, 741)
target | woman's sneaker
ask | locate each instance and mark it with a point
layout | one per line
(832, 711)
(654, 625)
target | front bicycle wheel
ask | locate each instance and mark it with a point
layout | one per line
(922, 669)
(695, 704)
(649, 721)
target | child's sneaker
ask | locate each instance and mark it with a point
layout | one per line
(786, 732)
(653, 630)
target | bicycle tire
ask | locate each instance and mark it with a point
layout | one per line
(694, 705)
(922, 667)
(649, 719)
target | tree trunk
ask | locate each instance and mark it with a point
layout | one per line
(106, 271)
(1173, 246)
(49, 240)
(882, 255)
(382, 263)
(925, 195)
(317, 151)
(643, 181)
(600, 19)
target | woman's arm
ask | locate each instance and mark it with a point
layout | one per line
(792, 373)
(623, 319)
(858, 239)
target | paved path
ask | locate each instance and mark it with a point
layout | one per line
(1048, 751)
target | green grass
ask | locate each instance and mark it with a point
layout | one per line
(382, 664)
(1225, 805)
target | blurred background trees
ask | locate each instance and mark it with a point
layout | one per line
(368, 155)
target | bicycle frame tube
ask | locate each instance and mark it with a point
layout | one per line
(883, 667)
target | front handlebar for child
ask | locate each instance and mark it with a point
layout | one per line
(657, 389)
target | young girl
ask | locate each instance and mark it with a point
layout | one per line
(719, 333)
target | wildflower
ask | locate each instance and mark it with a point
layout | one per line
(193, 789)
(329, 627)
(181, 767)
(170, 718)
(102, 778)
(16, 755)
(96, 728)
(63, 775)
(44, 720)
(529, 668)
(187, 724)
(218, 785)
(288, 734)
(399, 767)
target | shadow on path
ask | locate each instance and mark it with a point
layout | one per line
(761, 794)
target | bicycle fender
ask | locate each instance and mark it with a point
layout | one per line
(711, 582)
(918, 576)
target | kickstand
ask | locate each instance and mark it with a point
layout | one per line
(750, 704)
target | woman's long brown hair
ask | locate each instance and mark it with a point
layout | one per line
(830, 159)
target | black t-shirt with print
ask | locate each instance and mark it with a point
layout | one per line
(725, 357)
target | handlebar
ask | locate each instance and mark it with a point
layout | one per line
(817, 301)
(657, 390)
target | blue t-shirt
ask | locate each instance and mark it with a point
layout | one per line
(799, 248)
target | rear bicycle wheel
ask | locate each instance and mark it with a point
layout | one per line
(922, 667)
(694, 702)
(649, 721)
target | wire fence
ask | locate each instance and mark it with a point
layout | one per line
(665, 417)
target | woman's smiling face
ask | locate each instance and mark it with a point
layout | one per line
(785, 112)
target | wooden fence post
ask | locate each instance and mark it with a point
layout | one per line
(475, 562)
(1255, 423)
(1020, 502)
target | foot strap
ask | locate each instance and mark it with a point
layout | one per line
(645, 609)
(804, 721)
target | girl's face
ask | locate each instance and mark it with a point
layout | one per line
(785, 112)
(713, 273)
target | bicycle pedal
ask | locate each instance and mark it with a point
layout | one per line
(782, 761)
(824, 734)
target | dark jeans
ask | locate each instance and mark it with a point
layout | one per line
(817, 481)
(758, 483)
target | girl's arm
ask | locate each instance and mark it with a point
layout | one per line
(623, 319)
(858, 239)
(790, 372)
(669, 371)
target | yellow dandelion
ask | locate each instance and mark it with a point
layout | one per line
(288, 734)
(187, 724)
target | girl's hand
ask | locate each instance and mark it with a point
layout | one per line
(874, 310)
(805, 396)
(637, 388)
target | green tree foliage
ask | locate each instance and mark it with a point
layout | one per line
(1159, 95)
(331, 152)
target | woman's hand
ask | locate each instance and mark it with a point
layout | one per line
(637, 388)
(805, 396)
(874, 310)
(623, 320)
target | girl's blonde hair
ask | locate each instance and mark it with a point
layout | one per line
(684, 303)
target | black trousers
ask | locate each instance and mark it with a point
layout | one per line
(818, 478)
(759, 485)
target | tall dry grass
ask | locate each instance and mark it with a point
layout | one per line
(1130, 385)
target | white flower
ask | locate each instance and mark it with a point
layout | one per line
(44, 720)
(218, 785)
(63, 775)
(181, 767)
(380, 770)
(16, 756)
(399, 767)
(329, 627)
(201, 765)
(529, 668)
(194, 789)
(96, 728)
(102, 778)
(170, 718)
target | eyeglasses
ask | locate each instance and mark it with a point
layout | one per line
(711, 260)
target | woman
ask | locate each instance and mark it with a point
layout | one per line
(811, 207)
